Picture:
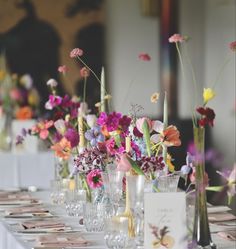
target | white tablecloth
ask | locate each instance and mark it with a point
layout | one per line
(26, 169)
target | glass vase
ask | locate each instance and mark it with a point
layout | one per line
(62, 170)
(5, 131)
(201, 230)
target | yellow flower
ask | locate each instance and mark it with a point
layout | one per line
(33, 98)
(170, 165)
(2, 74)
(208, 94)
(155, 97)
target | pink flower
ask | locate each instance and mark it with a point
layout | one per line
(94, 179)
(76, 52)
(42, 129)
(53, 102)
(15, 94)
(84, 72)
(139, 124)
(62, 69)
(144, 57)
(232, 46)
(176, 38)
(123, 163)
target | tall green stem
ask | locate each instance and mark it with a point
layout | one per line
(85, 84)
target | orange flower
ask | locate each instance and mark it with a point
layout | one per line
(24, 113)
(62, 149)
(170, 136)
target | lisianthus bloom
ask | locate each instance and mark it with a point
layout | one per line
(208, 94)
(94, 135)
(53, 102)
(123, 163)
(42, 129)
(94, 179)
(24, 113)
(155, 97)
(76, 52)
(232, 46)
(62, 148)
(52, 83)
(62, 69)
(207, 116)
(144, 57)
(176, 38)
(84, 72)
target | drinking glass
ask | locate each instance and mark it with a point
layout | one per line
(116, 232)
(168, 183)
(74, 201)
(93, 217)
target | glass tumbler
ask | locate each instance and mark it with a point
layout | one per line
(168, 183)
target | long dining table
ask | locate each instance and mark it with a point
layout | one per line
(11, 239)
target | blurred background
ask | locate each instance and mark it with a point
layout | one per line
(37, 36)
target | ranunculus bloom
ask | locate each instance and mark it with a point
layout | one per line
(170, 136)
(144, 57)
(52, 83)
(208, 94)
(24, 113)
(84, 72)
(62, 69)
(176, 38)
(62, 149)
(123, 163)
(207, 116)
(94, 179)
(42, 129)
(76, 52)
(232, 46)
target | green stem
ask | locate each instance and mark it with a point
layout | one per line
(85, 84)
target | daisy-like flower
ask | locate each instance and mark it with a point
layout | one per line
(76, 52)
(94, 179)
(207, 116)
(155, 97)
(144, 57)
(176, 38)
(62, 69)
(62, 148)
(208, 94)
(84, 72)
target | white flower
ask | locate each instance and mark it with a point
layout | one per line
(60, 126)
(52, 83)
(91, 120)
(27, 81)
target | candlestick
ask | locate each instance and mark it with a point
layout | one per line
(102, 90)
(81, 132)
(165, 122)
(127, 144)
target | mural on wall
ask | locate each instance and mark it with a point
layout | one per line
(36, 40)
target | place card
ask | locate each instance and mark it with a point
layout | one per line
(165, 220)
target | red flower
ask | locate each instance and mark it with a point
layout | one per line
(144, 57)
(207, 116)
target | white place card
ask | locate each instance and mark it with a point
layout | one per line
(165, 220)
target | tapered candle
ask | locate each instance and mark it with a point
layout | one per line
(127, 144)
(165, 122)
(81, 132)
(102, 90)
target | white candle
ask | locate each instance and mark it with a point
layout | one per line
(127, 144)
(102, 90)
(165, 111)
(81, 132)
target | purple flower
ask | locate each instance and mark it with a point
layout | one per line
(124, 122)
(94, 135)
(151, 164)
(72, 136)
(102, 119)
(185, 169)
(113, 121)
(53, 102)
(19, 139)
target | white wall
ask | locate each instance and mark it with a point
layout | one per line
(211, 24)
(128, 34)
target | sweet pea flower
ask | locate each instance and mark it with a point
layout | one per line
(94, 179)
(53, 102)
(176, 38)
(76, 52)
(208, 94)
(123, 163)
(62, 148)
(144, 57)
(232, 46)
(84, 72)
(91, 120)
(60, 126)
(52, 83)
(62, 69)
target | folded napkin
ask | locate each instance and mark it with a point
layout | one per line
(36, 224)
(26, 210)
(228, 235)
(218, 217)
(62, 241)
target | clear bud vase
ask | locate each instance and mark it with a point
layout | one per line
(201, 231)
(62, 170)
